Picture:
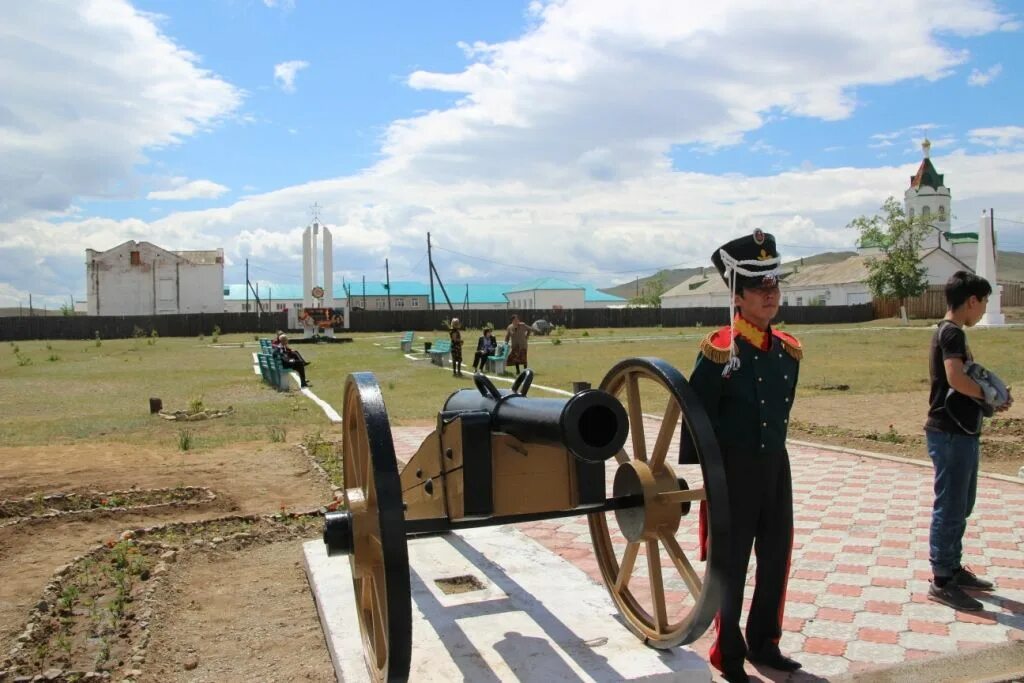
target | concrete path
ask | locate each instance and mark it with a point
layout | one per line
(856, 597)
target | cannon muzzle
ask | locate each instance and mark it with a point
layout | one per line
(592, 425)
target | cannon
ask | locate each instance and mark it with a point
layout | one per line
(502, 457)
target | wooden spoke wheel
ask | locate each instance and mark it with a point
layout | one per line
(666, 599)
(379, 558)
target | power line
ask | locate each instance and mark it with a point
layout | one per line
(562, 272)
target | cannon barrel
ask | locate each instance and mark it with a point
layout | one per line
(592, 424)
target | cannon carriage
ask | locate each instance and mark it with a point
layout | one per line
(502, 457)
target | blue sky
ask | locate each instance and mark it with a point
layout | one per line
(595, 141)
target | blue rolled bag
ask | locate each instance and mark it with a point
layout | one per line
(967, 411)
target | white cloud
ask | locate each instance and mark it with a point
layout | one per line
(983, 78)
(283, 4)
(195, 189)
(284, 73)
(633, 80)
(1001, 137)
(88, 87)
(556, 154)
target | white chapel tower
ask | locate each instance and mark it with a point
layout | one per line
(928, 196)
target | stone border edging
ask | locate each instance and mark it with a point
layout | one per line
(894, 458)
(210, 497)
(168, 554)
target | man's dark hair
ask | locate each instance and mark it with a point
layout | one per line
(962, 285)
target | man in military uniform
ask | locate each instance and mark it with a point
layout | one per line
(746, 376)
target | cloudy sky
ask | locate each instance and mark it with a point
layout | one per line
(593, 140)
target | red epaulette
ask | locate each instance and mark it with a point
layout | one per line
(790, 343)
(715, 346)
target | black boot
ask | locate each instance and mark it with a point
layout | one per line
(775, 659)
(735, 674)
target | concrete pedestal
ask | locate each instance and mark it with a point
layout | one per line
(535, 618)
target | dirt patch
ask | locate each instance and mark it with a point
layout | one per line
(248, 478)
(893, 424)
(247, 616)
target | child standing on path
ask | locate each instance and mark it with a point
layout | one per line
(952, 433)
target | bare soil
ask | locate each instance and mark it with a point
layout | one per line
(246, 616)
(893, 424)
(240, 612)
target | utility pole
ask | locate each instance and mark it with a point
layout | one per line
(246, 285)
(387, 285)
(430, 269)
(364, 292)
(30, 311)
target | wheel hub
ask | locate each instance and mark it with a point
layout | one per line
(645, 522)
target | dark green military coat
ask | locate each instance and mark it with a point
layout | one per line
(750, 408)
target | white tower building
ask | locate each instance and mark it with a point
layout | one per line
(928, 196)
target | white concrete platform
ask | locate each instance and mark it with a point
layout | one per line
(537, 618)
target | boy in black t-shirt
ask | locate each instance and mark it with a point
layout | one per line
(952, 434)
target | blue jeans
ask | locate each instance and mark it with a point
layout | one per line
(955, 458)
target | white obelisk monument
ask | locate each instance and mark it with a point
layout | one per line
(986, 268)
(317, 294)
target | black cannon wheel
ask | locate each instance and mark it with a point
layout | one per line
(677, 611)
(380, 559)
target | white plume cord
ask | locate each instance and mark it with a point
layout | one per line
(732, 268)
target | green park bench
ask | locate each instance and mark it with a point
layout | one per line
(440, 352)
(407, 342)
(496, 363)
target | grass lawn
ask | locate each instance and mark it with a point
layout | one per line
(73, 391)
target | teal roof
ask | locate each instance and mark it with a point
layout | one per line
(399, 288)
(591, 293)
(544, 283)
(457, 292)
(294, 292)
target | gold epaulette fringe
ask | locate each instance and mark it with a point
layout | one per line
(712, 352)
(795, 351)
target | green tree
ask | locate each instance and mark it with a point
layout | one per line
(898, 272)
(650, 295)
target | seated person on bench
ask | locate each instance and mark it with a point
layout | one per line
(292, 359)
(486, 345)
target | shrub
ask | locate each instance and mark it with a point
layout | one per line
(138, 332)
(277, 434)
(215, 335)
(99, 342)
(185, 439)
(195, 405)
(585, 334)
(556, 341)
(53, 358)
(23, 360)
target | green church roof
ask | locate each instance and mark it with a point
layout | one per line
(926, 176)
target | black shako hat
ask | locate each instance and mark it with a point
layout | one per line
(753, 258)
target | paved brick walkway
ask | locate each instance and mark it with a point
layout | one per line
(860, 570)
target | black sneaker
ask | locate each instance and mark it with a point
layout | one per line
(953, 596)
(965, 578)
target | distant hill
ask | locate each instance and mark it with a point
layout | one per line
(673, 277)
(1010, 267)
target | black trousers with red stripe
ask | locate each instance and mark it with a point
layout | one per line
(761, 516)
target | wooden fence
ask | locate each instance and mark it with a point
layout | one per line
(583, 318)
(932, 304)
(125, 326)
(191, 325)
